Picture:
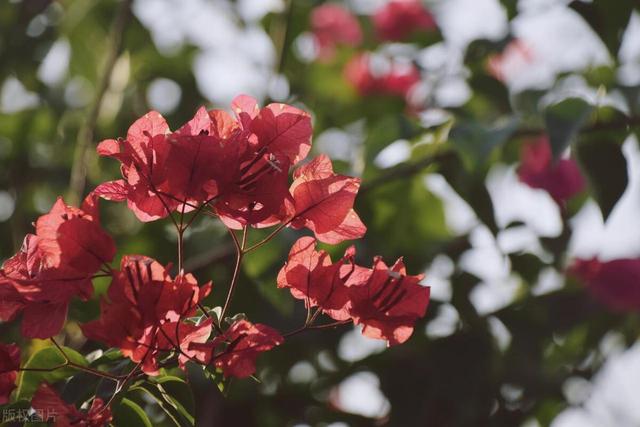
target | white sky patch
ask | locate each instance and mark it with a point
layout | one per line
(302, 372)
(393, 154)
(452, 92)
(498, 287)
(55, 65)
(500, 333)
(463, 21)
(549, 280)
(484, 259)
(164, 95)
(7, 205)
(15, 97)
(489, 297)
(629, 54)
(459, 216)
(515, 201)
(354, 346)
(533, 5)
(78, 92)
(613, 397)
(234, 51)
(255, 10)
(335, 143)
(437, 277)
(365, 7)
(550, 34)
(360, 394)
(445, 323)
(343, 144)
(445, 74)
(520, 239)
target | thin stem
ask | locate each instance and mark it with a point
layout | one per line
(240, 251)
(86, 132)
(180, 229)
(267, 239)
(72, 364)
(63, 365)
(313, 327)
(199, 210)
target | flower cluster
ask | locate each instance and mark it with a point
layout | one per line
(55, 264)
(371, 73)
(233, 167)
(386, 301)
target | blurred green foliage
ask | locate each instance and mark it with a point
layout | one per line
(457, 380)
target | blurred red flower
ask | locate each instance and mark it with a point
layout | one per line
(398, 19)
(389, 77)
(615, 283)
(333, 25)
(560, 178)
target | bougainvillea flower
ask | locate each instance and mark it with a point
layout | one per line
(242, 164)
(391, 77)
(311, 276)
(560, 178)
(277, 137)
(54, 265)
(333, 25)
(324, 202)
(185, 336)
(398, 19)
(277, 129)
(386, 301)
(164, 171)
(615, 283)
(144, 157)
(240, 346)
(144, 309)
(49, 406)
(9, 365)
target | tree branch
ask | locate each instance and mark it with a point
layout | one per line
(86, 132)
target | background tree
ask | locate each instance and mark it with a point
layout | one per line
(497, 146)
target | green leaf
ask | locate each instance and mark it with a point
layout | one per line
(606, 170)
(563, 120)
(281, 302)
(47, 358)
(130, 414)
(109, 356)
(174, 396)
(408, 211)
(607, 18)
(476, 142)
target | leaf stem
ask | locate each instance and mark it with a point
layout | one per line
(240, 251)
